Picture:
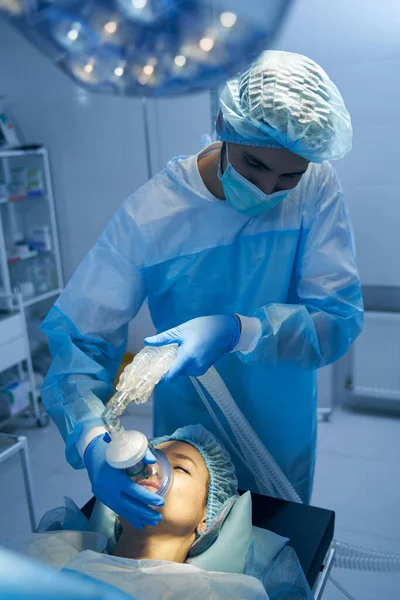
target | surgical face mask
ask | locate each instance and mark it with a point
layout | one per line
(243, 195)
(157, 477)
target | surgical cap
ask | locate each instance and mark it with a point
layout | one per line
(223, 483)
(286, 100)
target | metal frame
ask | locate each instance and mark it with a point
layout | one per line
(28, 359)
(323, 577)
(50, 201)
(21, 445)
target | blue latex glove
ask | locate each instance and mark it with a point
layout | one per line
(201, 341)
(114, 488)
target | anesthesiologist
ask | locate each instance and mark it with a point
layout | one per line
(246, 255)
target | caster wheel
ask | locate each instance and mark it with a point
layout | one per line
(42, 421)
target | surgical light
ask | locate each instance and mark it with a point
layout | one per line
(228, 19)
(110, 27)
(149, 47)
(180, 61)
(73, 34)
(88, 68)
(148, 70)
(206, 44)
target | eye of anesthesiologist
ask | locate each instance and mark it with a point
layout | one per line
(270, 169)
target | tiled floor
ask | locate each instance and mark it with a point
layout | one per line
(357, 475)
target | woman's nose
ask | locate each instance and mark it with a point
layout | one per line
(151, 470)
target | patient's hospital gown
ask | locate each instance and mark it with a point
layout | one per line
(163, 580)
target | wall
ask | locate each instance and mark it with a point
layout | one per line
(358, 43)
(177, 125)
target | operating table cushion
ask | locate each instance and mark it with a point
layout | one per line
(228, 553)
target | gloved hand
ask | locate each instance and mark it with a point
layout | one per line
(114, 488)
(201, 341)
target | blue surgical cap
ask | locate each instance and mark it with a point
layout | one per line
(286, 100)
(223, 483)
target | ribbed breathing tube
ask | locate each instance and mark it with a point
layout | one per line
(143, 374)
(258, 459)
(356, 558)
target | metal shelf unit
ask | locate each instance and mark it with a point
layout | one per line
(21, 210)
(30, 264)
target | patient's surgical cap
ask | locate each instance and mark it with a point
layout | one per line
(223, 485)
(286, 100)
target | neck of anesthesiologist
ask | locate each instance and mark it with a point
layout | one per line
(208, 169)
(147, 544)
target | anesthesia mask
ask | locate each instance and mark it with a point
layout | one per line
(127, 450)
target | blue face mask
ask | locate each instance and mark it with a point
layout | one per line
(244, 196)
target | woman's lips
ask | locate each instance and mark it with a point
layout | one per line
(147, 483)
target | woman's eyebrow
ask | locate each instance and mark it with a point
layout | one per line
(184, 457)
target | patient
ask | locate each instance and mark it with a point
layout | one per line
(162, 562)
(150, 564)
(203, 490)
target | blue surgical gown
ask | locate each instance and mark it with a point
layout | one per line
(191, 254)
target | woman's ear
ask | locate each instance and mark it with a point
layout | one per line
(202, 526)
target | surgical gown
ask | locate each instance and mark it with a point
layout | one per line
(191, 254)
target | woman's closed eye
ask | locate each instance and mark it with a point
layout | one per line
(176, 467)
